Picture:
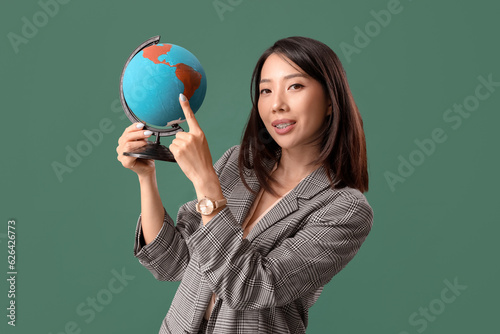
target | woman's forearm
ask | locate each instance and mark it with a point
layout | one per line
(152, 212)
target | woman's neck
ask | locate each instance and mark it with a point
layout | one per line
(294, 164)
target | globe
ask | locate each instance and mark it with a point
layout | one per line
(154, 78)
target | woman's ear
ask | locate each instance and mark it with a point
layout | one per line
(329, 110)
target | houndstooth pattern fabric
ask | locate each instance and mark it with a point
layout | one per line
(266, 282)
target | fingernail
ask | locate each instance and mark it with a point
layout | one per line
(140, 125)
(148, 133)
(183, 98)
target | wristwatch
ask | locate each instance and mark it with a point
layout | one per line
(206, 206)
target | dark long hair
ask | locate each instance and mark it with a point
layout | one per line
(342, 138)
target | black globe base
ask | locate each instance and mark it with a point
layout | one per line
(152, 150)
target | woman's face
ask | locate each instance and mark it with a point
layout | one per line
(292, 105)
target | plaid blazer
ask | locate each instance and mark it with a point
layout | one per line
(267, 282)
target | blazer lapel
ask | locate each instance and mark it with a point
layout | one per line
(283, 208)
(306, 189)
(241, 199)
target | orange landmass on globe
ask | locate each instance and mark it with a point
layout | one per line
(189, 77)
(154, 52)
(186, 74)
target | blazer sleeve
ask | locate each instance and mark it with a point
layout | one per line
(245, 279)
(168, 255)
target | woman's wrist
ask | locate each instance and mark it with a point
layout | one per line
(147, 178)
(208, 186)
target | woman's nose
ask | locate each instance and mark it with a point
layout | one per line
(279, 103)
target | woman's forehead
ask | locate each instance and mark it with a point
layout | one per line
(278, 66)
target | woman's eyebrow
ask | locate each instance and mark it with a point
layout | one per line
(295, 75)
(290, 76)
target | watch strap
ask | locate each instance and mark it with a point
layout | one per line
(220, 203)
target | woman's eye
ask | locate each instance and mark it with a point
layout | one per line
(264, 91)
(296, 86)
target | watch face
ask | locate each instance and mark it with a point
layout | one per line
(206, 206)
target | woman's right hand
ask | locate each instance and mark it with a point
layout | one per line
(134, 137)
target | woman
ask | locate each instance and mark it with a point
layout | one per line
(277, 216)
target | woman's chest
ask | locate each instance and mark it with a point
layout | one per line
(263, 203)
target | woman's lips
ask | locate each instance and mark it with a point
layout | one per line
(283, 120)
(288, 126)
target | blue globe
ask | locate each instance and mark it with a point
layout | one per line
(155, 77)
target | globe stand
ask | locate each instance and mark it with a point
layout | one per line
(153, 150)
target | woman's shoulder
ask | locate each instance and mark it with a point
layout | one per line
(351, 202)
(351, 193)
(228, 160)
(319, 183)
(231, 153)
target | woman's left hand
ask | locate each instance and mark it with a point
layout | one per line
(190, 149)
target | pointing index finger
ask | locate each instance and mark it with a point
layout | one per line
(188, 113)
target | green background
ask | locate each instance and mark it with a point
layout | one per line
(440, 224)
